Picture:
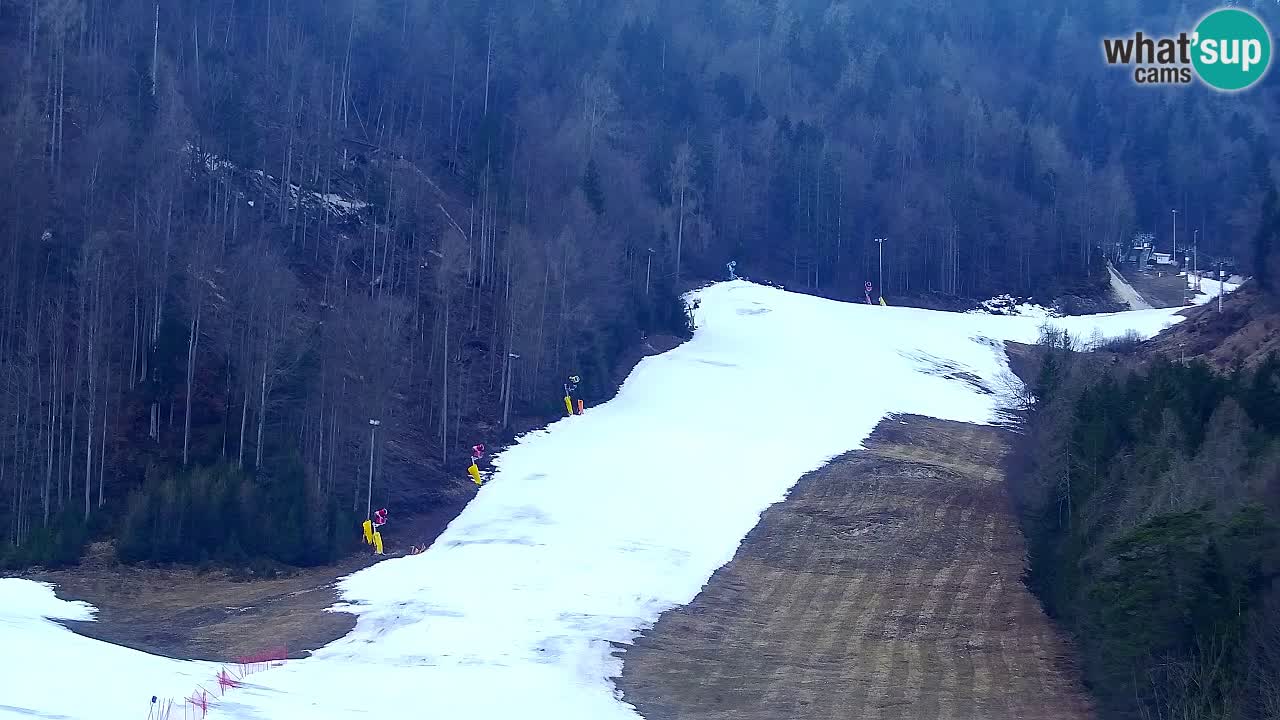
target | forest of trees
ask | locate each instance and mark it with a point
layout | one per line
(232, 233)
(1150, 495)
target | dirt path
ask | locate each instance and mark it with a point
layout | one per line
(1124, 292)
(886, 586)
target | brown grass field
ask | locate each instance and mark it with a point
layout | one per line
(887, 585)
(217, 615)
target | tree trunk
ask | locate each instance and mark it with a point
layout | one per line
(193, 343)
(244, 419)
(94, 325)
(75, 401)
(680, 234)
(564, 286)
(262, 414)
(102, 445)
(88, 437)
(54, 404)
(542, 317)
(321, 431)
(226, 416)
(155, 52)
(133, 355)
(444, 388)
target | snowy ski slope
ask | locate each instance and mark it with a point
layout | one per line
(588, 530)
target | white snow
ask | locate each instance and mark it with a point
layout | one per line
(1209, 286)
(50, 672)
(24, 601)
(1009, 305)
(339, 204)
(590, 528)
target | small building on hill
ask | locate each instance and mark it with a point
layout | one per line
(1140, 251)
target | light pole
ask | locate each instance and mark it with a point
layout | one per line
(1195, 257)
(880, 242)
(1173, 253)
(506, 384)
(648, 264)
(373, 428)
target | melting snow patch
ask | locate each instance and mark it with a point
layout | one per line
(46, 659)
(339, 204)
(1010, 305)
(1210, 287)
(25, 601)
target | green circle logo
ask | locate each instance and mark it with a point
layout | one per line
(1232, 49)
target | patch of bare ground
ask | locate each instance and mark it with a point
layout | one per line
(1244, 333)
(887, 585)
(1161, 288)
(218, 615)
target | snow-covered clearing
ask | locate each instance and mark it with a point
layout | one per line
(588, 530)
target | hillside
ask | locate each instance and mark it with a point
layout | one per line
(886, 586)
(1243, 334)
(762, 359)
(592, 528)
(236, 233)
(1146, 483)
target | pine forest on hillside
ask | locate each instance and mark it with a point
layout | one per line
(232, 233)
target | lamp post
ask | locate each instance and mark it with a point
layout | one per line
(1173, 253)
(648, 264)
(506, 385)
(373, 428)
(880, 242)
(1195, 257)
